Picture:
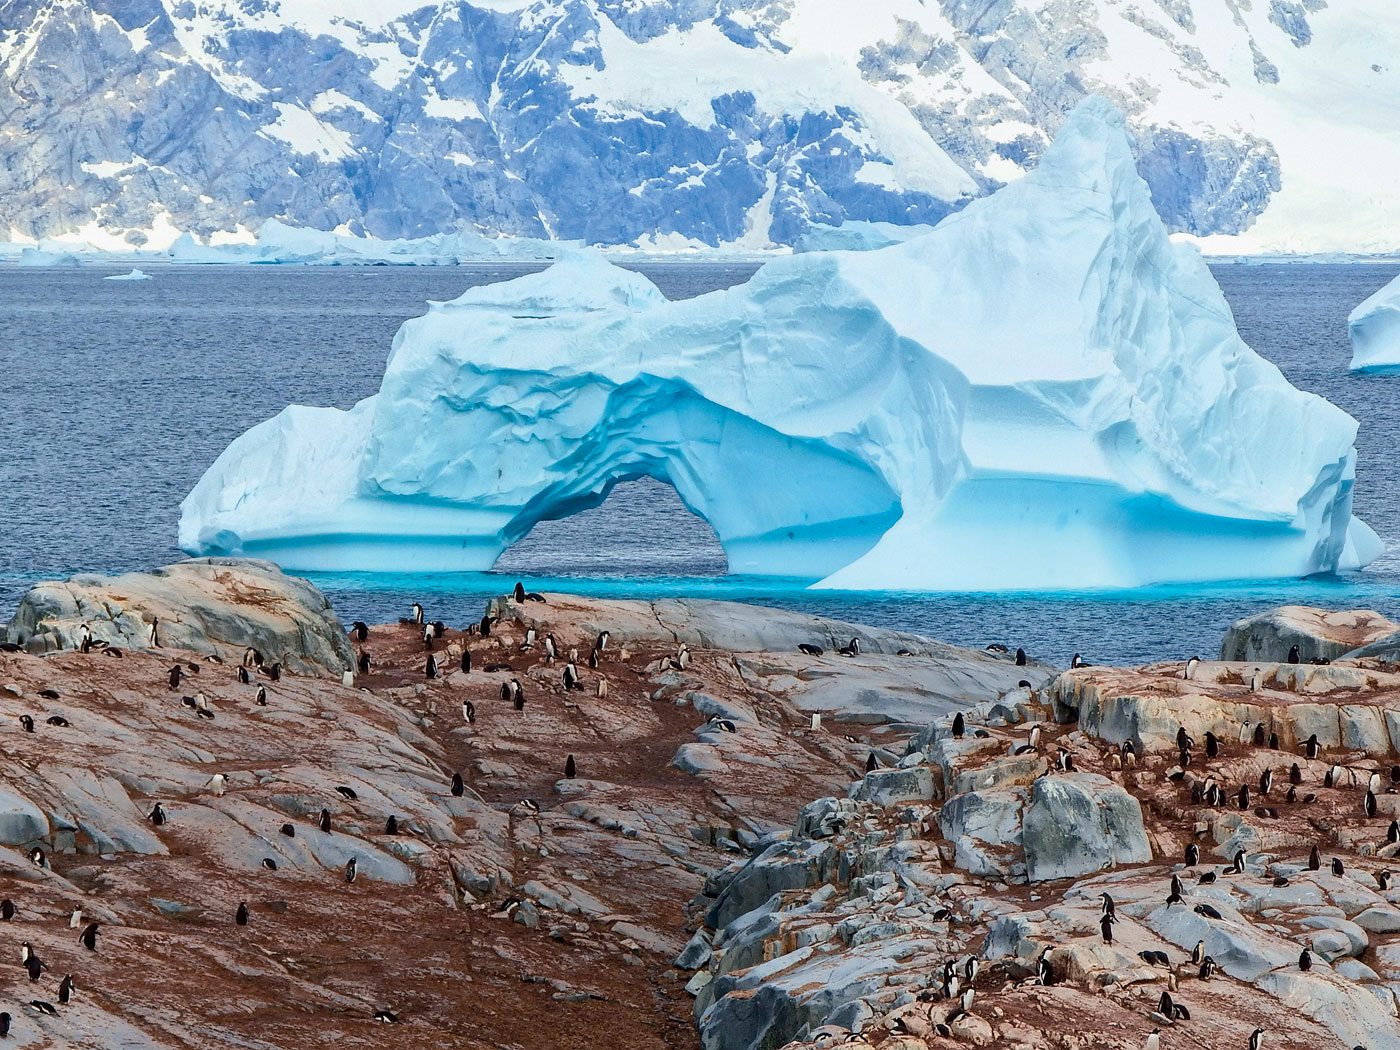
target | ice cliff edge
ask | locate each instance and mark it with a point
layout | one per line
(1044, 392)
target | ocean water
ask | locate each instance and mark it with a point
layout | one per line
(117, 395)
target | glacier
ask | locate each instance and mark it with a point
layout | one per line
(1043, 392)
(1374, 327)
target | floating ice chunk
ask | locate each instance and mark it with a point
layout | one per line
(1375, 331)
(134, 275)
(1041, 393)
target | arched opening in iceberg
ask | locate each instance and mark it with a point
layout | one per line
(779, 505)
(640, 528)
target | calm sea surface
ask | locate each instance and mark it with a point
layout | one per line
(117, 395)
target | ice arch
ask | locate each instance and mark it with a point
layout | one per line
(1042, 392)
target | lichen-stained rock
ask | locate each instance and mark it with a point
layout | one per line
(1319, 634)
(1080, 823)
(203, 605)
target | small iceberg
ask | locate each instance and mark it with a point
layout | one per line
(1375, 331)
(134, 275)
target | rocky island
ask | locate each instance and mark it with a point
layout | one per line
(742, 829)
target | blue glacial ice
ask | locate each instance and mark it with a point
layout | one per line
(1042, 393)
(1375, 331)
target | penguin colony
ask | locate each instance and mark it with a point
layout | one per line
(203, 699)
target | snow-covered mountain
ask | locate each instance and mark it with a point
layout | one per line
(1262, 125)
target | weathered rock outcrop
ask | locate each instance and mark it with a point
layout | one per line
(1319, 634)
(204, 605)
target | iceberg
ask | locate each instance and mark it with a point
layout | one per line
(134, 275)
(1043, 392)
(1375, 331)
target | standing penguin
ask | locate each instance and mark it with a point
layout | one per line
(1293, 655)
(431, 668)
(241, 915)
(570, 768)
(458, 787)
(351, 869)
(66, 988)
(88, 938)
(261, 697)
(325, 820)
(466, 661)
(7, 909)
(959, 726)
(363, 662)
(176, 673)
(157, 816)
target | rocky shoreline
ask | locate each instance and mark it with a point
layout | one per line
(759, 846)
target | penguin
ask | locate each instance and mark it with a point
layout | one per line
(1064, 761)
(415, 613)
(244, 678)
(157, 815)
(325, 819)
(260, 698)
(1244, 731)
(360, 630)
(1020, 658)
(217, 783)
(1044, 974)
(1266, 781)
(85, 639)
(1311, 748)
(391, 826)
(439, 628)
(4, 1024)
(27, 722)
(571, 678)
(1237, 868)
(1383, 880)
(1295, 775)
(362, 663)
(351, 870)
(810, 650)
(38, 858)
(88, 937)
(1183, 739)
(468, 712)
(602, 642)
(570, 768)
(1190, 671)
(1153, 1041)
(1373, 783)
(273, 671)
(1198, 953)
(593, 660)
(1206, 878)
(1314, 860)
(269, 864)
(201, 706)
(1292, 795)
(176, 673)
(66, 988)
(959, 726)
(518, 594)
(7, 909)
(1106, 928)
(1368, 804)
(602, 687)
(1206, 910)
(241, 915)
(1293, 658)
(1174, 894)
(1212, 746)
(388, 1016)
(458, 787)
(428, 639)
(1256, 1037)
(970, 969)
(1392, 833)
(551, 649)
(1244, 796)
(347, 793)
(430, 670)
(289, 830)
(851, 648)
(1273, 741)
(39, 1006)
(155, 632)
(1193, 855)
(1338, 868)
(1077, 662)
(1259, 735)
(1305, 961)
(252, 658)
